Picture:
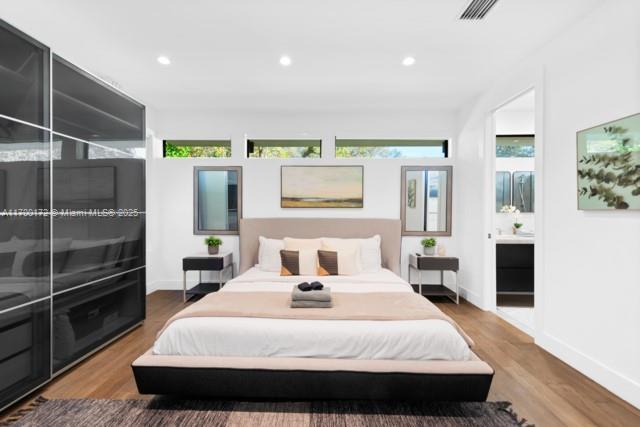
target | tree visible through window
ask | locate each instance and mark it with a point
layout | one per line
(391, 148)
(515, 146)
(197, 148)
(283, 148)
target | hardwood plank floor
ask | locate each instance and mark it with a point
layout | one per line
(543, 389)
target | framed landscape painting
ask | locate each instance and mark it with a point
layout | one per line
(609, 165)
(321, 186)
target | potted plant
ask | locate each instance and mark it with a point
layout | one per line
(428, 246)
(213, 244)
(516, 227)
(516, 220)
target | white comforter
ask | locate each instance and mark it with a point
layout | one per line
(348, 339)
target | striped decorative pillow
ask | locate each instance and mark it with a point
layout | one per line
(290, 263)
(303, 262)
(327, 263)
(333, 263)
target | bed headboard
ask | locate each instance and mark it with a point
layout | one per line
(307, 228)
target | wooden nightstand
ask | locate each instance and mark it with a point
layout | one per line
(435, 263)
(222, 263)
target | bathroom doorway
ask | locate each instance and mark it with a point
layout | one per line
(514, 210)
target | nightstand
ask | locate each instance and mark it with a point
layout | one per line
(435, 263)
(222, 263)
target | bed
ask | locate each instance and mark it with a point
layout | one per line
(380, 341)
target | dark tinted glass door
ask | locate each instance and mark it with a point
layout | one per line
(88, 109)
(24, 350)
(24, 225)
(89, 177)
(96, 247)
(24, 77)
(85, 318)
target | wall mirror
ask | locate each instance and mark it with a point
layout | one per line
(503, 189)
(217, 199)
(426, 200)
(524, 190)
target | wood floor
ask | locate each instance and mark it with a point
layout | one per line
(543, 389)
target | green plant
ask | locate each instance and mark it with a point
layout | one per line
(212, 241)
(429, 242)
(517, 225)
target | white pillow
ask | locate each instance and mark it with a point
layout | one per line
(292, 244)
(269, 254)
(349, 261)
(369, 251)
(308, 262)
(308, 257)
(370, 254)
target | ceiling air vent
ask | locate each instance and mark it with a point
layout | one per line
(477, 9)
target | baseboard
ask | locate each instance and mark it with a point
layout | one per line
(618, 384)
(167, 285)
(514, 322)
(472, 297)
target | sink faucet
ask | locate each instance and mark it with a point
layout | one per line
(499, 230)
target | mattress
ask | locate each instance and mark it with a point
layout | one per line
(417, 340)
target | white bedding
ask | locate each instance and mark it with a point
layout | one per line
(349, 339)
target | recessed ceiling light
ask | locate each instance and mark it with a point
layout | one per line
(408, 61)
(164, 60)
(285, 61)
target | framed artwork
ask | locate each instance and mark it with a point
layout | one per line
(411, 193)
(321, 186)
(609, 165)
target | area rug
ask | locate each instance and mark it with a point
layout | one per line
(179, 412)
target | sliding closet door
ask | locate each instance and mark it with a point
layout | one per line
(72, 213)
(25, 288)
(25, 361)
(98, 190)
(24, 77)
(87, 109)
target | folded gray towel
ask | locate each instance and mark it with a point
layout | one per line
(310, 304)
(323, 295)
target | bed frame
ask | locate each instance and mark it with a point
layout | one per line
(305, 378)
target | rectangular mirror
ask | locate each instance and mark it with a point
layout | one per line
(503, 189)
(523, 191)
(217, 196)
(426, 200)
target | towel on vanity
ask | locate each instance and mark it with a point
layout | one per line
(310, 304)
(323, 295)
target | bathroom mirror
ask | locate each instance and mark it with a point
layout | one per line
(217, 199)
(523, 191)
(503, 189)
(426, 200)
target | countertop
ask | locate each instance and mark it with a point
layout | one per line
(514, 239)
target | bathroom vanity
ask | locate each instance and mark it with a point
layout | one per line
(514, 265)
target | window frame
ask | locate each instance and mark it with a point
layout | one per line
(445, 145)
(196, 170)
(170, 141)
(513, 136)
(310, 139)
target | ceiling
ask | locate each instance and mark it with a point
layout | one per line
(346, 54)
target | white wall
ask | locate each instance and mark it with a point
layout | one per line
(587, 263)
(170, 181)
(515, 122)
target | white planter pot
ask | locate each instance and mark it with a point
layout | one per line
(429, 251)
